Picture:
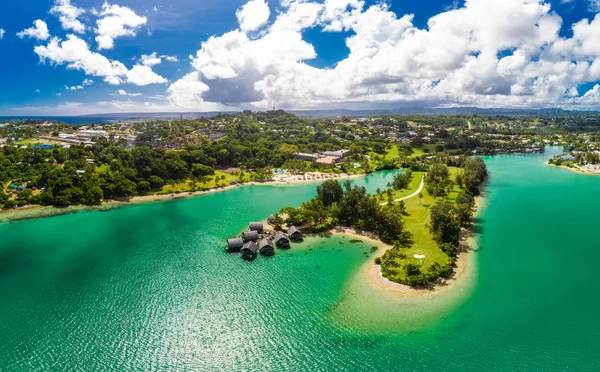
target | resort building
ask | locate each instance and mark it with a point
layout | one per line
(256, 226)
(306, 156)
(249, 250)
(234, 245)
(295, 234)
(250, 236)
(567, 157)
(94, 133)
(281, 240)
(328, 160)
(337, 154)
(266, 247)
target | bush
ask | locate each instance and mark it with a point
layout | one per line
(377, 260)
(412, 269)
(10, 204)
(416, 281)
(449, 249)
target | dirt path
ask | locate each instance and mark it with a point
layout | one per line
(413, 194)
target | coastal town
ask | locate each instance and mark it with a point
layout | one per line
(582, 153)
(195, 154)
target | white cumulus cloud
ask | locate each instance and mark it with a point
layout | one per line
(76, 53)
(253, 15)
(122, 92)
(116, 21)
(150, 59)
(154, 59)
(38, 31)
(143, 75)
(67, 14)
(2, 32)
(485, 53)
(80, 86)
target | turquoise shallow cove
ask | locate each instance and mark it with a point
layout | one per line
(149, 287)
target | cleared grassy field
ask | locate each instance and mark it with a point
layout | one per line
(102, 169)
(416, 222)
(415, 182)
(392, 153)
(33, 142)
(210, 184)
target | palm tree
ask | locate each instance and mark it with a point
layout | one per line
(421, 198)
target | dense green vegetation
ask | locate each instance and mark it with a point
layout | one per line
(188, 155)
(350, 206)
(428, 226)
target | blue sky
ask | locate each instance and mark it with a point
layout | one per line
(295, 54)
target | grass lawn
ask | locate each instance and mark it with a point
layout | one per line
(29, 142)
(416, 222)
(418, 152)
(415, 182)
(33, 142)
(102, 169)
(392, 153)
(187, 185)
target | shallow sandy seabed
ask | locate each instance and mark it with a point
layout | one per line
(373, 303)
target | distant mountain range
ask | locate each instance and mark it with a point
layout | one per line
(547, 112)
(360, 113)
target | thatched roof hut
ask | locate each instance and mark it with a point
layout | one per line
(295, 234)
(256, 226)
(249, 250)
(250, 236)
(234, 245)
(266, 247)
(281, 240)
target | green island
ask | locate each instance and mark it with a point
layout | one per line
(424, 229)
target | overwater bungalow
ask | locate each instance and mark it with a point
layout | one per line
(256, 226)
(249, 250)
(266, 247)
(295, 234)
(281, 240)
(250, 236)
(234, 245)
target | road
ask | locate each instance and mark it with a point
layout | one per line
(413, 194)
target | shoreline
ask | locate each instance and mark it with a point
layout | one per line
(41, 211)
(371, 274)
(576, 169)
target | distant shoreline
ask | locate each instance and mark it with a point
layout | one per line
(39, 211)
(576, 169)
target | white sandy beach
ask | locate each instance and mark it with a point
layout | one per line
(590, 171)
(37, 211)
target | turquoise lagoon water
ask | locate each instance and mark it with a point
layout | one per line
(150, 288)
